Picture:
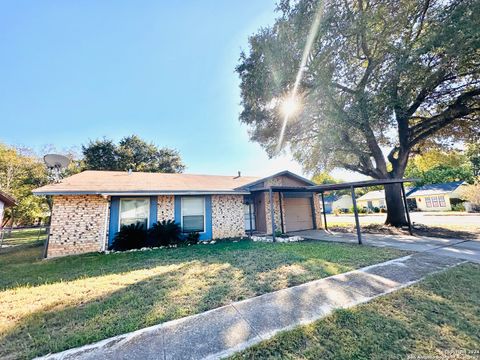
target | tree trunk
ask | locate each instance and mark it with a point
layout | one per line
(395, 208)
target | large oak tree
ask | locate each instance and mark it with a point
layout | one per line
(382, 80)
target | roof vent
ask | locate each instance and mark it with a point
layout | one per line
(239, 175)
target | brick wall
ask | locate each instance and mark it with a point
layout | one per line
(166, 207)
(78, 225)
(227, 216)
(285, 181)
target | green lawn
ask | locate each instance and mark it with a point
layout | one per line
(49, 306)
(438, 317)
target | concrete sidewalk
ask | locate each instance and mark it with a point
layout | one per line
(223, 331)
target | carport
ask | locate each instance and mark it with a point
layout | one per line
(322, 189)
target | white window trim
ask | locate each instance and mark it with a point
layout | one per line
(204, 212)
(133, 198)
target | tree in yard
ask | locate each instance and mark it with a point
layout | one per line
(378, 81)
(131, 153)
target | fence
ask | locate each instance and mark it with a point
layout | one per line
(22, 235)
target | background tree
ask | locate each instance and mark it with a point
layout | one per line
(131, 153)
(434, 166)
(324, 177)
(100, 154)
(381, 79)
(20, 172)
(473, 155)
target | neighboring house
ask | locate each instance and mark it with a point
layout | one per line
(372, 199)
(437, 197)
(90, 207)
(338, 202)
(5, 201)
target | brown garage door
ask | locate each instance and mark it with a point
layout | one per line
(298, 214)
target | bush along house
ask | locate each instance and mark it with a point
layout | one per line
(89, 208)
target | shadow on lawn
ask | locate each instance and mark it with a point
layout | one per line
(153, 300)
(147, 302)
(429, 318)
(252, 258)
(144, 290)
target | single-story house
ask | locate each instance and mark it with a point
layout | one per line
(5, 201)
(372, 199)
(338, 202)
(90, 207)
(437, 197)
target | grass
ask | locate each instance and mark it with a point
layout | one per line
(24, 237)
(437, 318)
(49, 306)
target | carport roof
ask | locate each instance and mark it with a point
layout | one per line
(340, 186)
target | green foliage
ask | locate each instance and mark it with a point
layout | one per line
(435, 167)
(323, 178)
(20, 172)
(164, 233)
(129, 237)
(384, 75)
(192, 238)
(131, 153)
(458, 207)
(473, 155)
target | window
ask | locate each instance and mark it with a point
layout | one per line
(193, 214)
(134, 211)
(434, 201)
(249, 219)
(441, 200)
(428, 202)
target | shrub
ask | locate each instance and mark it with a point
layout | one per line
(192, 238)
(278, 233)
(164, 233)
(129, 237)
(376, 210)
(383, 210)
(458, 207)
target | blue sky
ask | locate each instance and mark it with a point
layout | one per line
(77, 70)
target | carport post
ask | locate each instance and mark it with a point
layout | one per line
(405, 202)
(324, 213)
(272, 213)
(355, 211)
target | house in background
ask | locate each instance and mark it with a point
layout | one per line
(338, 202)
(90, 207)
(437, 197)
(433, 197)
(372, 199)
(5, 201)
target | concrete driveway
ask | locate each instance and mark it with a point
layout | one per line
(467, 221)
(462, 249)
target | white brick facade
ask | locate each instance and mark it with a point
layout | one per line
(227, 216)
(78, 225)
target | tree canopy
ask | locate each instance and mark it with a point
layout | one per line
(434, 166)
(20, 172)
(131, 153)
(380, 80)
